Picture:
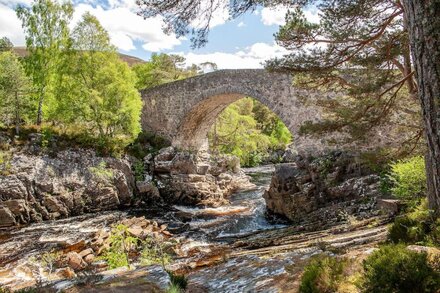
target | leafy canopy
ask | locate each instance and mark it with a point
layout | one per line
(162, 68)
(249, 130)
(98, 89)
(15, 104)
(46, 29)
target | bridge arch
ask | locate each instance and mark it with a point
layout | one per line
(184, 111)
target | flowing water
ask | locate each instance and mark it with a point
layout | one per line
(219, 236)
(245, 214)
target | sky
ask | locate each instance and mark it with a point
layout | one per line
(245, 42)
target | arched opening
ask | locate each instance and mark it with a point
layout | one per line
(238, 125)
(202, 119)
(251, 131)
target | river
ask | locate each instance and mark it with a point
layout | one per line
(233, 248)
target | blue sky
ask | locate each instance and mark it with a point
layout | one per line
(241, 43)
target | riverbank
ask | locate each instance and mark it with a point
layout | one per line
(226, 249)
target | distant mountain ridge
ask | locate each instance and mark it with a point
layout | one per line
(130, 60)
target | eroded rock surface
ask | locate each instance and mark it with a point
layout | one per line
(328, 188)
(192, 178)
(71, 182)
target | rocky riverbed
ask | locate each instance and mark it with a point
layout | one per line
(232, 248)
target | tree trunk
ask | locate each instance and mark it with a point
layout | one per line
(17, 115)
(424, 32)
(40, 110)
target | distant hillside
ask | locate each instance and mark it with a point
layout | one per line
(131, 60)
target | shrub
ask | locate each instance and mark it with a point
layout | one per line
(121, 243)
(178, 283)
(416, 227)
(101, 172)
(173, 289)
(153, 253)
(409, 178)
(5, 162)
(48, 260)
(146, 143)
(323, 274)
(393, 268)
(139, 170)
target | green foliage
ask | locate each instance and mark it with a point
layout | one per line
(178, 283)
(98, 89)
(49, 259)
(409, 178)
(121, 243)
(15, 102)
(139, 170)
(393, 268)
(323, 274)
(416, 227)
(101, 172)
(47, 34)
(145, 143)
(179, 280)
(5, 45)
(248, 130)
(174, 289)
(5, 162)
(153, 253)
(162, 68)
(80, 83)
(47, 135)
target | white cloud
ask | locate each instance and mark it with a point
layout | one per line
(10, 25)
(125, 27)
(118, 18)
(277, 15)
(241, 24)
(250, 57)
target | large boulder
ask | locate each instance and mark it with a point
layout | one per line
(40, 186)
(322, 188)
(194, 178)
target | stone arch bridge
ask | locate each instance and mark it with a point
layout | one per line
(184, 111)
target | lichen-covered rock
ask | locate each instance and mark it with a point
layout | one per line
(71, 182)
(323, 188)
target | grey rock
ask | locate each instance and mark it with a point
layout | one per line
(323, 188)
(40, 186)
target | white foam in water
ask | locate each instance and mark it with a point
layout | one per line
(245, 215)
(225, 210)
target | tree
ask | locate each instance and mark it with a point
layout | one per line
(366, 41)
(239, 130)
(162, 68)
(424, 27)
(98, 88)
(5, 44)
(359, 49)
(14, 91)
(47, 34)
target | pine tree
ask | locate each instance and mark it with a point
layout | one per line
(424, 31)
